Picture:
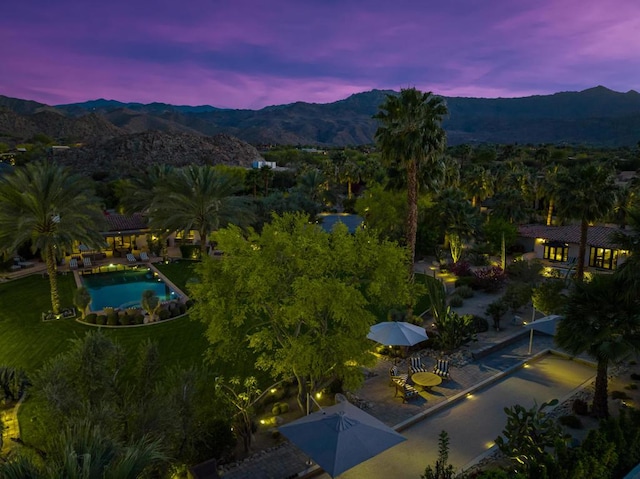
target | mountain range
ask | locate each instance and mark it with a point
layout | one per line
(597, 116)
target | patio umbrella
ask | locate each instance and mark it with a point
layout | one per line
(546, 325)
(397, 333)
(340, 437)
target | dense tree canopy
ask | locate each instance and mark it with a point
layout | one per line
(301, 299)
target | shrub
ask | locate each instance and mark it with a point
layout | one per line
(189, 304)
(490, 279)
(461, 268)
(182, 308)
(456, 301)
(279, 408)
(101, 319)
(112, 318)
(91, 318)
(525, 271)
(138, 318)
(190, 251)
(466, 281)
(125, 319)
(479, 324)
(580, 407)
(631, 387)
(464, 292)
(619, 395)
(164, 314)
(570, 421)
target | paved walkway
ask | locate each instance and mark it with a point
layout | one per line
(286, 461)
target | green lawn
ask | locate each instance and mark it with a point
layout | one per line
(179, 272)
(26, 342)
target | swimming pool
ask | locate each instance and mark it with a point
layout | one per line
(123, 289)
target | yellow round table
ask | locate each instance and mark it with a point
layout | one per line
(426, 380)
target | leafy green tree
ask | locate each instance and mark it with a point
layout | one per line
(54, 209)
(442, 469)
(301, 299)
(383, 211)
(586, 193)
(82, 300)
(198, 198)
(411, 137)
(528, 436)
(548, 296)
(598, 321)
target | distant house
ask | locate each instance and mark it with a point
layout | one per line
(260, 163)
(561, 244)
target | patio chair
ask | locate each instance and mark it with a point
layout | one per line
(73, 263)
(144, 256)
(442, 368)
(416, 366)
(405, 390)
(131, 258)
(396, 377)
(87, 262)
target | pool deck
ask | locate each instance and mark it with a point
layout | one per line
(285, 460)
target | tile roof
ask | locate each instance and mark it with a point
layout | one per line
(118, 222)
(596, 235)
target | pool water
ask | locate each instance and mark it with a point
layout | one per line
(123, 289)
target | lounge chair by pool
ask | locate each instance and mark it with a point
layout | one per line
(73, 263)
(131, 258)
(87, 262)
(144, 256)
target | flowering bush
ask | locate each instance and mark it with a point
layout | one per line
(461, 268)
(490, 279)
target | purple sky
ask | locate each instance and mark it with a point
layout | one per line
(254, 53)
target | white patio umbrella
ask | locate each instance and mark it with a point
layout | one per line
(340, 437)
(546, 325)
(397, 333)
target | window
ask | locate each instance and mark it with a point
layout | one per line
(556, 251)
(604, 258)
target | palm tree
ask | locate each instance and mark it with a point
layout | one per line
(52, 208)
(136, 194)
(84, 451)
(600, 322)
(478, 183)
(198, 198)
(586, 193)
(550, 187)
(458, 218)
(410, 136)
(628, 273)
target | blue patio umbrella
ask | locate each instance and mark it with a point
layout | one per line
(340, 437)
(397, 333)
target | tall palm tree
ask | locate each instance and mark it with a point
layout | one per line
(599, 321)
(411, 137)
(629, 272)
(46, 204)
(586, 193)
(137, 193)
(198, 198)
(550, 187)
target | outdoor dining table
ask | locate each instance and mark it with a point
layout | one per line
(426, 380)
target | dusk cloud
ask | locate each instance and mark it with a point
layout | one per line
(254, 53)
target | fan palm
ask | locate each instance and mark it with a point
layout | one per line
(586, 193)
(136, 194)
(410, 137)
(52, 208)
(600, 322)
(198, 198)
